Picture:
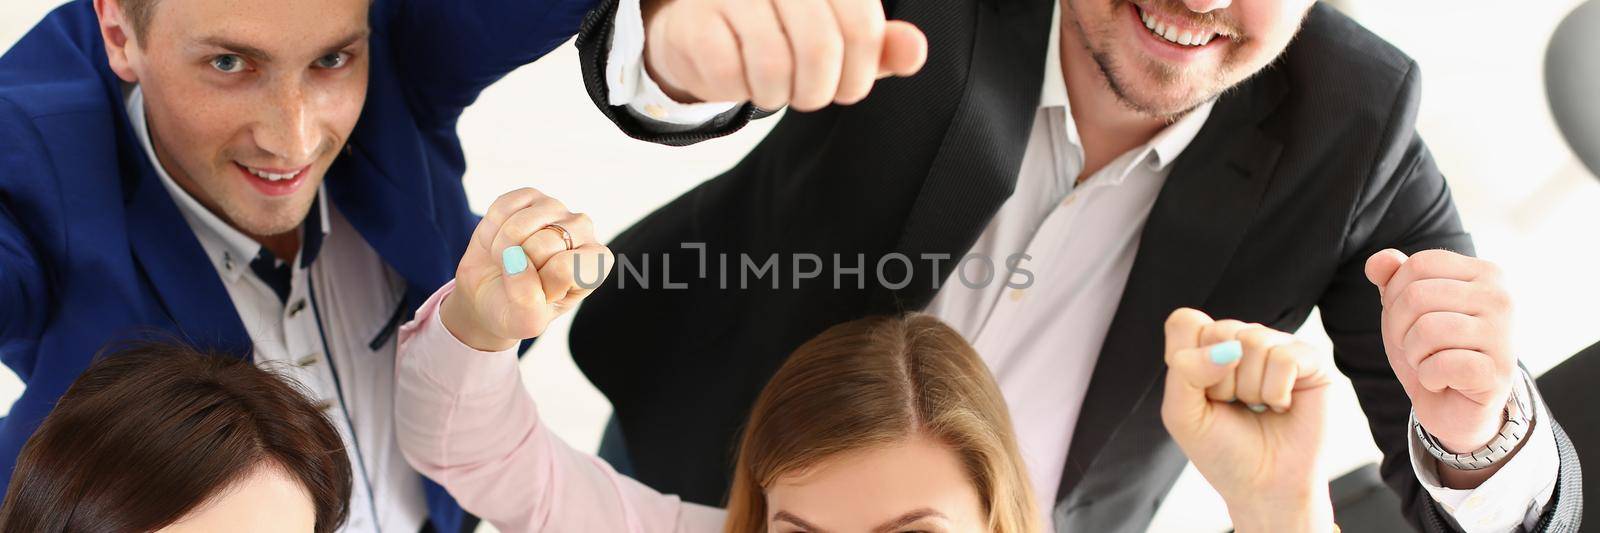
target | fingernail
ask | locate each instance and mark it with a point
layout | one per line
(1258, 408)
(1226, 352)
(515, 259)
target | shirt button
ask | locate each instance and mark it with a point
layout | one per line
(655, 111)
(227, 261)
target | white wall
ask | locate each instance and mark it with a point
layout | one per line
(1530, 205)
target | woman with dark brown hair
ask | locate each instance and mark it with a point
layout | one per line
(159, 437)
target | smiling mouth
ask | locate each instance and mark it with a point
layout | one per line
(1174, 34)
(274, 176)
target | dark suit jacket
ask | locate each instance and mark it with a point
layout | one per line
(1297, 177)
(92, 248)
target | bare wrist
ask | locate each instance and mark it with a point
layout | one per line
(456, 320)
(1307, 514)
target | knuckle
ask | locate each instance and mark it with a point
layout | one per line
(1439, 326)
(1428, 260)
(1414, 295)
(1489, 269)
(704, 43)
(863, 32)
(1497, 297)
(582, 220)
(771, 66)
(724, 68)
(1285, 353)
(823, 52)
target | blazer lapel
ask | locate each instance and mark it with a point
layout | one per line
(975, 170)
(1199, 218)
(384, 184)
(177, 267)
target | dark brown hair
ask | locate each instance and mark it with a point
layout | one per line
(875, 382)
(154, 430)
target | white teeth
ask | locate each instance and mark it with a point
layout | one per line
(270, 176)
(1173, 34)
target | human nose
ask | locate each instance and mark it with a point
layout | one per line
(1206, 6)
(289, 130)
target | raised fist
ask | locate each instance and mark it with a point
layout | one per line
(1247, 405)
(804, 54)
(522, 270)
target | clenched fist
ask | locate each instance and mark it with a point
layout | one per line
(801, 53)
(1247, 405)
(522, 270)
(1446, 327)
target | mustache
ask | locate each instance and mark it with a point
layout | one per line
(1219, 21)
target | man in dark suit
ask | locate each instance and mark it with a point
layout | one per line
(276, 179)
(1054, 186)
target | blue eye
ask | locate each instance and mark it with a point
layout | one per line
(228, 63)
(333, 61)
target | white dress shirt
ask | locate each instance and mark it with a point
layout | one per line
(1081, 238)
(320, 337)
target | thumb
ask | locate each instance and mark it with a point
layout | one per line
(1189, 373)
(905, 49)
(1382, 266)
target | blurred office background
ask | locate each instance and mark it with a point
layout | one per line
(1530, 204)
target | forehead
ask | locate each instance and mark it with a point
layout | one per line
(266, 24)
(862, 490)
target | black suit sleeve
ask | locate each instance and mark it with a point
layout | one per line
(594, 44)
(1404, 204)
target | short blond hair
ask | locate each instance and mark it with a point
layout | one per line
(138, 13)
(875, 382)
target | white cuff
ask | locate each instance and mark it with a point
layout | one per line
(1513, 499)
(629, 84)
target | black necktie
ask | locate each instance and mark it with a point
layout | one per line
(276, 274)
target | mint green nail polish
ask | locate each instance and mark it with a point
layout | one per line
(516, 260)
(1226, 352)
(1258, 408)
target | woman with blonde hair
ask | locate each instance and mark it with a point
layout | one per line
(881, 425)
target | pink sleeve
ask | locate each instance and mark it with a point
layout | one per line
(464, 420)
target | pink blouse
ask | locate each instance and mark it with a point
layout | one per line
(464, 420)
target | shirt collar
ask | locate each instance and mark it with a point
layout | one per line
(232, 250)
(1162, 149)
(1054, 92)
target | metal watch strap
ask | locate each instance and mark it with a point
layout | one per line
(1518, 420)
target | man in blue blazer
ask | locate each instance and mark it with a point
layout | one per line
(286, 171)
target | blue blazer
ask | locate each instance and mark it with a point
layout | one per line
(93, 249)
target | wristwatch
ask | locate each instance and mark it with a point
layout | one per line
(1518, 420)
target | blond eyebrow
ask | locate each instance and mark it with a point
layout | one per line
(907, 519)
(785, 516)
(886, 527)
(262, 56)
(245, 50)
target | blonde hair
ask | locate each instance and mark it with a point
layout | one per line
(875, 382)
